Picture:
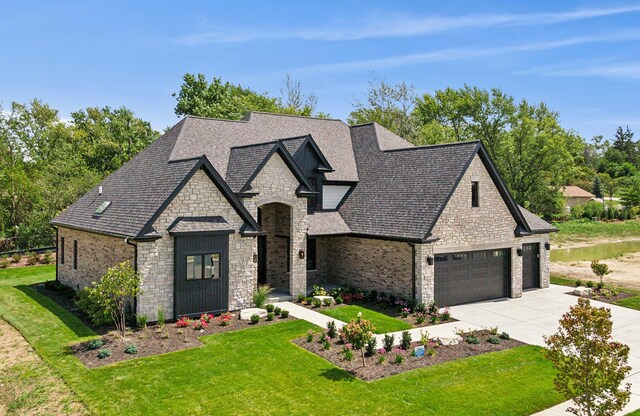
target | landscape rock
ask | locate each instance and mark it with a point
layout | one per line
(450, 340)
(582, 291)
(322, 298)
(246, 314)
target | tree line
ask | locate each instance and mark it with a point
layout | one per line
(47, 162)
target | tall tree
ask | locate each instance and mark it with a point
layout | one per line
(388, 105)
(623, 142)
(597, 187)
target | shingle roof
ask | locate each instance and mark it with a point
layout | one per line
(326, 223)
(537, 224)
(401, 192)
(215, 138)
(575, 191)
(199, 224)
(136, 191)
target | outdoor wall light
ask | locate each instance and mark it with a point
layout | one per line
(255, 258)
(430, 261)
(301, 254)
(547, 246)
(519, 252)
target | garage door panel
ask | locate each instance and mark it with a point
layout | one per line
(471, 276)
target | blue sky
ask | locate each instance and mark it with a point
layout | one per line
(581, 58)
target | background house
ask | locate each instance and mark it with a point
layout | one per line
(574, 195)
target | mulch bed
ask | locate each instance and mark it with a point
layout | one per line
(154, 340)
(24, 261)
(373, 370)
(607, 296)
(391, 312)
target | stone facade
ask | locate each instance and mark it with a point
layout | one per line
(383, 265)
(276, 184)
(96, 253)
(276, 222)
(425, 290)
(199, 197)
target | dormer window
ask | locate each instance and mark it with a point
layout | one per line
(475, 194)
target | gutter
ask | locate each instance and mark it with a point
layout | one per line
(135, 268)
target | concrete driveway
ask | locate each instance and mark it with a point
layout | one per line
(537, 313)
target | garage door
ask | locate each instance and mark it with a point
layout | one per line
(472, 276)
(530, 266)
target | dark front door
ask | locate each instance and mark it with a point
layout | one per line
(472, 276)
(530, 266)
(262, 260)
(201, 279)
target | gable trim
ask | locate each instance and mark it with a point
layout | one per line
(309, 141)
(250, 225)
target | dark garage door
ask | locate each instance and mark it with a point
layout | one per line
(530, 266)
(472, 276)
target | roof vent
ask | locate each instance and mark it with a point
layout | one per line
(102, 208)
(100, 190)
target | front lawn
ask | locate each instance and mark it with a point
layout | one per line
(259, 371)
(382, 322)
(631, 303)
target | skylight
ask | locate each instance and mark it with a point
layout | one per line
(103, 207)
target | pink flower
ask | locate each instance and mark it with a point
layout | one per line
(348, 346)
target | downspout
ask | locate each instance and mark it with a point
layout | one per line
(413, 270)
(135, 268)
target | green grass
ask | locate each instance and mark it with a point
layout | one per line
(579, 230)
(259, 371)
(383, 323)
(631, 303)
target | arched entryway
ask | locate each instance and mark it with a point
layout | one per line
(274, 248)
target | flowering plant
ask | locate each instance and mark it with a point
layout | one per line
(206, 318)
(183, 322)
(358, 333)
(405, 312)
(200, 325)
(223, 320)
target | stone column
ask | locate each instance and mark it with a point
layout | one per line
(424, 273)
(298, 269)
(545, 258)
(516, 271)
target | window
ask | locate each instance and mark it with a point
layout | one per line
(203, 266)
(311, 254)
(102, 208)
(313, 201)
(75, 254)
(61, 250)
(441, 258)
(475, 194)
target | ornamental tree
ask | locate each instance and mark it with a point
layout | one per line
(358, 333)
(114, 290)
(600, 270)
(590, 365)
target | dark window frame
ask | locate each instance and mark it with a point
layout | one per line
(312, 251)
(203, 265)
(61, 250)
(75, 254)
(475, 194)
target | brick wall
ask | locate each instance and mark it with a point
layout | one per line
(96, 253)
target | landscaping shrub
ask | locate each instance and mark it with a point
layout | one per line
(505, 336)
(399, 358)
(96, 314)
(270, 316)
(4, 263)
(388, 342)
(434, 318)
(332, 331)
(310, 334)
(326, 343)
(16, 257)
(339, 300)
(421, 317)
(493, 340)
(94, 344)
(32, 258)
(141, 320)
(206, 318)
(319, 291)
(48, 258)
(317, 303)
(183, 322)
(131, 349)
(347, 352)
(590, 284)
(424, 337)
(578, 283)
(326, 302)
(284, 314)
(277, 310)
(404, 312)
(104, 353)
(381, 359)
(161, 317)
(269, 307)
(261, 294)
(599, 285)
(420, 308)
(405, 342)
(255, 318)
(370, 348)
(433, 308)
(473, 340)
(493, 330)
(358, 332)
(301, 297)
(446, 314)
(224, 319)
(200, 325)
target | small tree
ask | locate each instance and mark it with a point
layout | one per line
(600, 270)
(590, 365)
(358, 333)
(597, 188)
(114, 290)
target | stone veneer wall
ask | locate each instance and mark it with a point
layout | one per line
(276, 183)
(199, 197)
(96, 253)
(545, 256)
(319, 275)
(276, 222)
(385, 266)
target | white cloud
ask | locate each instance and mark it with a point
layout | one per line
(386, 26)
(628, 70)
(444, 55)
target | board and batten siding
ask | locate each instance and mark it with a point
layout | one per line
(332, 195)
